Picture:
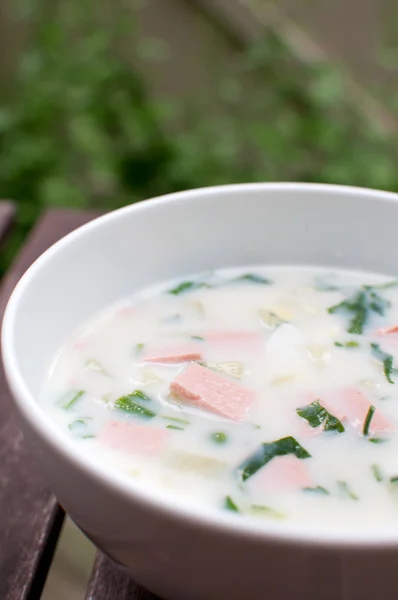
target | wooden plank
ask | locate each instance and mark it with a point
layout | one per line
(110, 581)
(30, 517)
(7, 212)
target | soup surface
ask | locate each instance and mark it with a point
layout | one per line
(269, 392)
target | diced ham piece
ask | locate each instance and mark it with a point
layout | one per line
(282, 474)
(133, 438)
(387, 330)
(174, 354)
(208, 390)
(232, 337)
(352, 404)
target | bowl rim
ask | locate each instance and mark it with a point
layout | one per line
(171, 506)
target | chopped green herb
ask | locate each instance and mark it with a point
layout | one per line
(77, 424)
(386, 359)
(175, 420)
(187, 286)
(229, 504)
(175, 427)
(317, 490)
(138, 349)
(351, 344)
(323, 286)
(266, 511)
(267, 452)
(71, 401)
(197, 338)
(345, 490)
(128, 404)
(339, 345)
(253, 278)
(377, 440)
(219, 437)
(382, 286)
(317, 415)
(368, 420)
(361, 306)
(377, 473)
(394, 479)
(79, 427)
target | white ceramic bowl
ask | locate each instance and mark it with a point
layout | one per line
(178, 553)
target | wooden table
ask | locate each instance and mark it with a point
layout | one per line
(30, 518)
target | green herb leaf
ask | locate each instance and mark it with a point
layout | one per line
(187, 286)
(394, 479)
(317, 490)
(197, 338)
(386, 359)
(351, 344)
(71, 401)
(175, 420)
(377, 440)
(361, 306)
(267, 452)
(219, 437)
(266, 511)
(368, 420)
(317, 415)
(382, 286)
(377, 472)
(345, 490)
(175, 427)
(229, 504)
(128, 404)
(254, 278)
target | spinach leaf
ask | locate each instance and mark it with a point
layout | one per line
(377, 472)
(317, 490)
(229, 504)
(345, 490)
(253, 278)
(361, 306)
(128, 404)
(368, 419)
(267, 452)
(72, 398)
(317, 415)
(386, 359)
(219, 437)
(187, 286)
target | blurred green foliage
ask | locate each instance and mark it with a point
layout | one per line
(79, 128)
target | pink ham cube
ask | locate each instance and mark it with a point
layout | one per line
(354, 406)
(233, 337)
(208, 390)
(174, 354)
(282, 474)
(133, 438)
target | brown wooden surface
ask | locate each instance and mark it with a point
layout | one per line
(110, 582)
(7, 212)
(30, 519)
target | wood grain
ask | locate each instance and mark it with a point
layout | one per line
(110, 582)
(30, 517)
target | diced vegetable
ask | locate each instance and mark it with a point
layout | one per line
(267, 452)
(270, 318)
(386, 359)
(316, 415)
(361, 306)
(205, 466)
(234, 369)
(95, 365)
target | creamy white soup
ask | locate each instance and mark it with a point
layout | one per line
(269, 392)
